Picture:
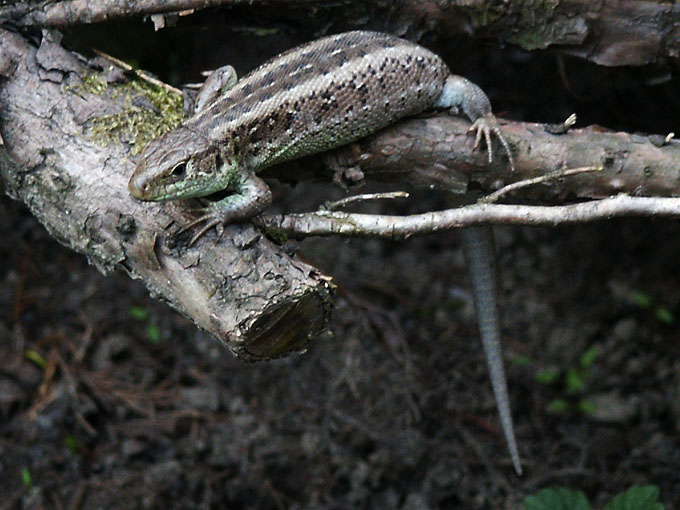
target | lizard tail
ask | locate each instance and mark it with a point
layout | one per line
(479, 256)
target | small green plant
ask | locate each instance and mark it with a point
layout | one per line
(72, 444)
(574, 381)
(26, 478)
(635, 498)
(659, 312)
(153, 332)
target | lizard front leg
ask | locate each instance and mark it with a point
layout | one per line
(250, 196)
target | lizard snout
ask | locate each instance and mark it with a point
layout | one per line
(139, 185)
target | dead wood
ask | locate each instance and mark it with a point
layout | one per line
(257, 300)
(422, 151)
(608, 33)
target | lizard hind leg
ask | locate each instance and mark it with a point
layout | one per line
(216, 84)
(459, 94)
(485, 126)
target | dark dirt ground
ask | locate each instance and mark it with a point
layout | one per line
(392, 409)
(109, 399)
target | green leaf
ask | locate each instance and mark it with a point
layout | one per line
(558, 406)
(153, 333)
(36, 357)
(642, 300)
(26, 478)
(637, 498)
(664, 315)
(266, 31)
(586, 406)
(558, 498)
(72, 444)
(575, 381)
(139, 313)
(547, 376)
(589, 356)
(520, 361)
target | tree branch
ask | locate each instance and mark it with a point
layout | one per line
(257, 300)
(435, 152)
(607, 33)
(244, 290)
(65, 13)
(323, 223)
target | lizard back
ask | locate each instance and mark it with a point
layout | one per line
(322, 95)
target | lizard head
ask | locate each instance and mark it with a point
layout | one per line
(180, 164)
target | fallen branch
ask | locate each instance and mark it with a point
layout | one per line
(243, 289)
(258, 301)
(323, 223)
(606, 33)
(434, 152)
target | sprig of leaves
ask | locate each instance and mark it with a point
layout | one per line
(560, 498)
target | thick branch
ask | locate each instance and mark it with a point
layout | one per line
(64, 13)
(423, 151)
(257, 300)
(244, 290)
(608, 33)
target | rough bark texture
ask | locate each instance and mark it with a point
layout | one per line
(422, 152)
(242, 289)
(609, 33)
(257, 300)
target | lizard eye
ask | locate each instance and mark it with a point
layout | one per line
(179, 169)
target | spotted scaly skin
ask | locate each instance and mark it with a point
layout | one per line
(307, 100)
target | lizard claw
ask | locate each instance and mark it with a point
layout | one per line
(210, 220)
(486, 125)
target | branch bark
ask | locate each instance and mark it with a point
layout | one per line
(65, 13)
(243, 289)
(608, 33)
(423, 151)
(323, 223)
(258, 301)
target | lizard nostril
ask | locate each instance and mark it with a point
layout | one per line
(138, 186)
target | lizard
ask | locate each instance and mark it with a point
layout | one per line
(310, 99)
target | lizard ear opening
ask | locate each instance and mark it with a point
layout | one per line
(219, 162)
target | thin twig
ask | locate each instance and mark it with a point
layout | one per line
(562, 127)
(142, 75)
(338, 204)
(493, 197)
(399, 227)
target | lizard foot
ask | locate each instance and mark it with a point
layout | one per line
(250, 198)
(485, 126)
(209, 220)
